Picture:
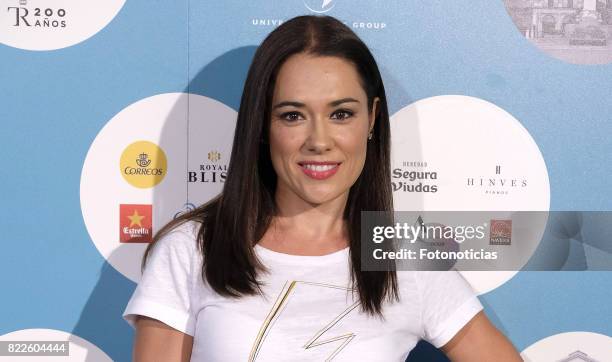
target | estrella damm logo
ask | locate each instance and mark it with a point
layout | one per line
(135, 223)
(143, 164)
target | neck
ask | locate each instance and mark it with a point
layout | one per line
(301, 224)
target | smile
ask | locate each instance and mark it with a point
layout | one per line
(319, 170)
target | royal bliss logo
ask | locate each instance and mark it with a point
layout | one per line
(212, 171)
(413, 176)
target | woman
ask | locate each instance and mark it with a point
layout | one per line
(269, 270)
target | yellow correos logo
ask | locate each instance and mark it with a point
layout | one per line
(143, 164)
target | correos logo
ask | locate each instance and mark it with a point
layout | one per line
(145, 142)
(143, 164)
(319, 6)
(53, 24)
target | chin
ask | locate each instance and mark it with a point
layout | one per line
(320, 197)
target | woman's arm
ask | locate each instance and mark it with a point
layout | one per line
(156, 341)
(479, 340)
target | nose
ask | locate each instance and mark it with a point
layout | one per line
(319, 138)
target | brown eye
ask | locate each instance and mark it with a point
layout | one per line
(290, 116)
(342, 114)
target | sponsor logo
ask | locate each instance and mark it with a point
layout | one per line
(319, 6)
(135, 223)
(414, 176)
(53, 24)
(186, 208)
(143, 164)
(38, 17)
(497, 184)
(501, 232)
(322, 7)
(214, 170)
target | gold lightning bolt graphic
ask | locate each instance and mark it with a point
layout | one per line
(316, 340)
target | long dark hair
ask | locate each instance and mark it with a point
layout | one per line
(237, 218)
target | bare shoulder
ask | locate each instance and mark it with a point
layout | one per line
(156, 341)
(480, 340)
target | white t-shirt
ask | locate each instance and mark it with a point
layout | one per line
(307, 313)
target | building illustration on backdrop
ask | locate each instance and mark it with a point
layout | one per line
(578, 356)
(577, 31)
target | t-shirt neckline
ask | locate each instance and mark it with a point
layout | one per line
(336, 256)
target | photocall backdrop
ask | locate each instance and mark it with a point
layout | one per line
(116, 115)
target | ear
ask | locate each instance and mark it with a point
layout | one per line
(373, 114)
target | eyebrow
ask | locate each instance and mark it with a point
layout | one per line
(299, 104)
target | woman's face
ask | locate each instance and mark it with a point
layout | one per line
(319, 127)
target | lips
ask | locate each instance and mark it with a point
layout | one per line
(319, 170)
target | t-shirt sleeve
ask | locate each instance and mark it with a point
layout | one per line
(448, 302)
(165, 291)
